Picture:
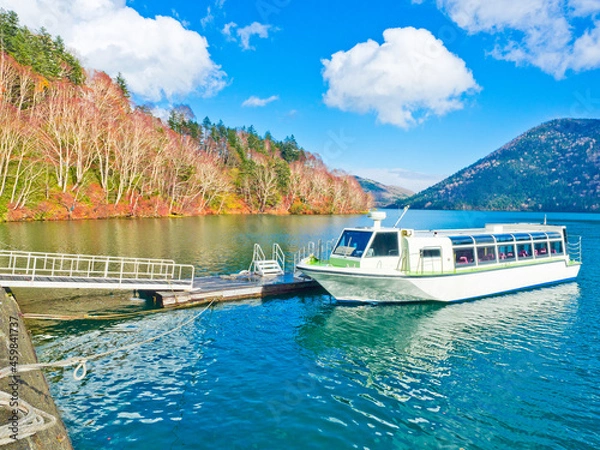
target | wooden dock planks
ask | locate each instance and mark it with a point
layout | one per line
(215, 288)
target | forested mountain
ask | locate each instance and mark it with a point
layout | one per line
(552, 167)
(383, 195)
(73, 146)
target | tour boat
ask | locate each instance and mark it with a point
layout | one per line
(379, 264)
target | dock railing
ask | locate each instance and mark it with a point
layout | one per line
(320, 250)
(51, 268)
(257, 256)
(279, 256)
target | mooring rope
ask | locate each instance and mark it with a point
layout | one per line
(56, 317)
(115, 316)
(32, 420)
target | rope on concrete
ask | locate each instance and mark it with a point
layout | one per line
(32, 420)
(114, 316)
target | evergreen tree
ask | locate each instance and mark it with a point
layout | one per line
(290, 151)
(123, 85)
(45, 55)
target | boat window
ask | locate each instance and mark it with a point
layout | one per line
(464, 256)
(506, 252)
(556, 248)
(484, 239)
(504, 237)
(554, 235)
(487, 254)
(384, 244)
(352, 243)
(524, 251)
(430, 253)
(540, 249)
(461, 240)
(522, 236)
(538, 236)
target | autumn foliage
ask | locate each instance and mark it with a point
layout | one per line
(71, 151)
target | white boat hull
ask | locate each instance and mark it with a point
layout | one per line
(351, 284)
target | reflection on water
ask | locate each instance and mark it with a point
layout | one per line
(213, 243)
(420, 364)
(407, 327)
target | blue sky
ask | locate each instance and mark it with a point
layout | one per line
(404, 92)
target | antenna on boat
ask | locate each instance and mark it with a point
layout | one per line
(545, 220)
(401, 216)
(377, 217)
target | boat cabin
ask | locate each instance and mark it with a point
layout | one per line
(367, 248)
(452, 251)
(447, 251)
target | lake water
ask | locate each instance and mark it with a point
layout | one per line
(512, 371)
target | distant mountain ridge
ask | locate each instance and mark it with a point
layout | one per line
(382, 194)
(552, 167)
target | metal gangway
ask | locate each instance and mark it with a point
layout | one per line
(59, 270)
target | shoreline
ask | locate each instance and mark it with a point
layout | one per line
(277, 213)
(179, 216)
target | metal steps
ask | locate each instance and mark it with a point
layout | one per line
(267, 267)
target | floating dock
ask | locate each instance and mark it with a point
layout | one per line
(228, 288)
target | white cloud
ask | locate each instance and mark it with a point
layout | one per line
(227, 30)
(586, 50)
(482, 15)
(208, 18)
(583, 8)
(244, 34)
(254, 29)
(408, 179)
(157, 56)
(160, 112)
(254, 101)
(404, 80)
(553, 35)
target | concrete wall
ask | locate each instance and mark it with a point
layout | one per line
(32, 386)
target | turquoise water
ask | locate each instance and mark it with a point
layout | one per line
(512, 371)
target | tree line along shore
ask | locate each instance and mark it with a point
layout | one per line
(74, 146)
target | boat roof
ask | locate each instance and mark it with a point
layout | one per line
(493, 228)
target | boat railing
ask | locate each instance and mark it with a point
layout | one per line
(574, 249)
(320, 250)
